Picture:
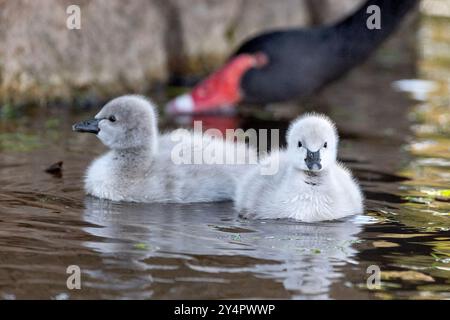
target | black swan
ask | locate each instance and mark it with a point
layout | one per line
(294, 63)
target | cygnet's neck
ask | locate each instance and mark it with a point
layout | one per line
(315, 178)
(311, 178)
(133, 161)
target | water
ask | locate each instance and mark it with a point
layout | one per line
(398, 148)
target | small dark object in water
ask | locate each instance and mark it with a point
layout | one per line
(442, 199)
(55, 169)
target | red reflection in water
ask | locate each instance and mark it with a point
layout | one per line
(222, 123)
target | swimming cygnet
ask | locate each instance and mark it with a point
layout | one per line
(309, 185)
(140, 166)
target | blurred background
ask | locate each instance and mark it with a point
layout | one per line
(392, 112)
(146, 43)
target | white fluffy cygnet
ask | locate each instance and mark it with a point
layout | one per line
(309, 185)
(140, 165)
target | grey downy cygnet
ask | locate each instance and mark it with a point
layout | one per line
(309, 185)
(140, 165)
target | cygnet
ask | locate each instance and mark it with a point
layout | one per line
(142, 166)
(309, 185)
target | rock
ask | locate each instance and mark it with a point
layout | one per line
(128, 48)
(119, 48)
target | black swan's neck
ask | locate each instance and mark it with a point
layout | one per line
(302, 61)
(354, 33)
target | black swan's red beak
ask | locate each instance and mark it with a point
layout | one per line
(220, 90)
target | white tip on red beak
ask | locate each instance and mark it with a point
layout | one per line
(181, 104)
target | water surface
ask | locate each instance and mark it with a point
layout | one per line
(398, 148)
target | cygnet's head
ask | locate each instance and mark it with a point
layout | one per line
(312, 142)
(124, 122)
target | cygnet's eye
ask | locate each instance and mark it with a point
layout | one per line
(112, 119)
(325, 145)
(300, 144)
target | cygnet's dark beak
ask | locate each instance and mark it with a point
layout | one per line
(312, 160)
(87, 126)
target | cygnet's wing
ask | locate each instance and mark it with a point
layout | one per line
(350, 187)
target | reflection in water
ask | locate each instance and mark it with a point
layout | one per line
(304, 257)
(427, 192)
